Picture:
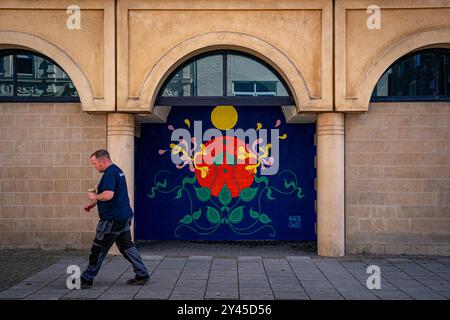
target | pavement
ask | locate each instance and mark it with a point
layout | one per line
(238, 271)
(17, 265)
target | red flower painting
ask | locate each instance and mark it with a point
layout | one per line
(221, 166)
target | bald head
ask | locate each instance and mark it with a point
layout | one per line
(101, 160)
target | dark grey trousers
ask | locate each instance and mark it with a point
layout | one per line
(109, 232)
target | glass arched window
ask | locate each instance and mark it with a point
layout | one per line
(29, 76)
(420, 76)
(224, 76)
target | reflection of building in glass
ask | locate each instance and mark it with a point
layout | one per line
(201, 77)
(6, 77)
(182, 83)
(248, 77)
(420, 74)
(24, 74)
(205, 76)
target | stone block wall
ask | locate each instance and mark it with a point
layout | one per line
(398, 179)
(44, 174)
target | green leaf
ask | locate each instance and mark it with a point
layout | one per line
(186, 220)
(203, 194)
(179, 193)
(247, 194)
(212, 215)
(236, 215)
(254, 214)
(196, 215)
(225, 195)
(229, 159)
(264, 219)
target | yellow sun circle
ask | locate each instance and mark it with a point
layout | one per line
(224, 117)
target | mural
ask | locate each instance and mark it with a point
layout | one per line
(231, 182)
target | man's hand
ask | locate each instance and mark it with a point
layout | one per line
(92, 196)
(89, 206)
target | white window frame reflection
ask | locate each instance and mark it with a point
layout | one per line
(255, 92)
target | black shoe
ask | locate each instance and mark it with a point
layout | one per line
(138, 281)
(85, 284)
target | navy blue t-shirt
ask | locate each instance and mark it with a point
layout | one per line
(118, 208)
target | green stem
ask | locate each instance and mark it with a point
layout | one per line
(196, 231)
(255, 231)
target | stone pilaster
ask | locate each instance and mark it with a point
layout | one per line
(330, 185)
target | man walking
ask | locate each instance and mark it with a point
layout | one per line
(115, 219)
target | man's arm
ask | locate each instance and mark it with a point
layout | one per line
(104, 196)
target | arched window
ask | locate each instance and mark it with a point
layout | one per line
(420, 76)
(224, 76)
(29, 76)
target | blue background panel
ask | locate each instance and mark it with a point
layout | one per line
(280, 207)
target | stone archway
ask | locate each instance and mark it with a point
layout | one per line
(15, 39)
(379, 65)
(222, 41)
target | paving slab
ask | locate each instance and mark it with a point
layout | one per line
(264, 274)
